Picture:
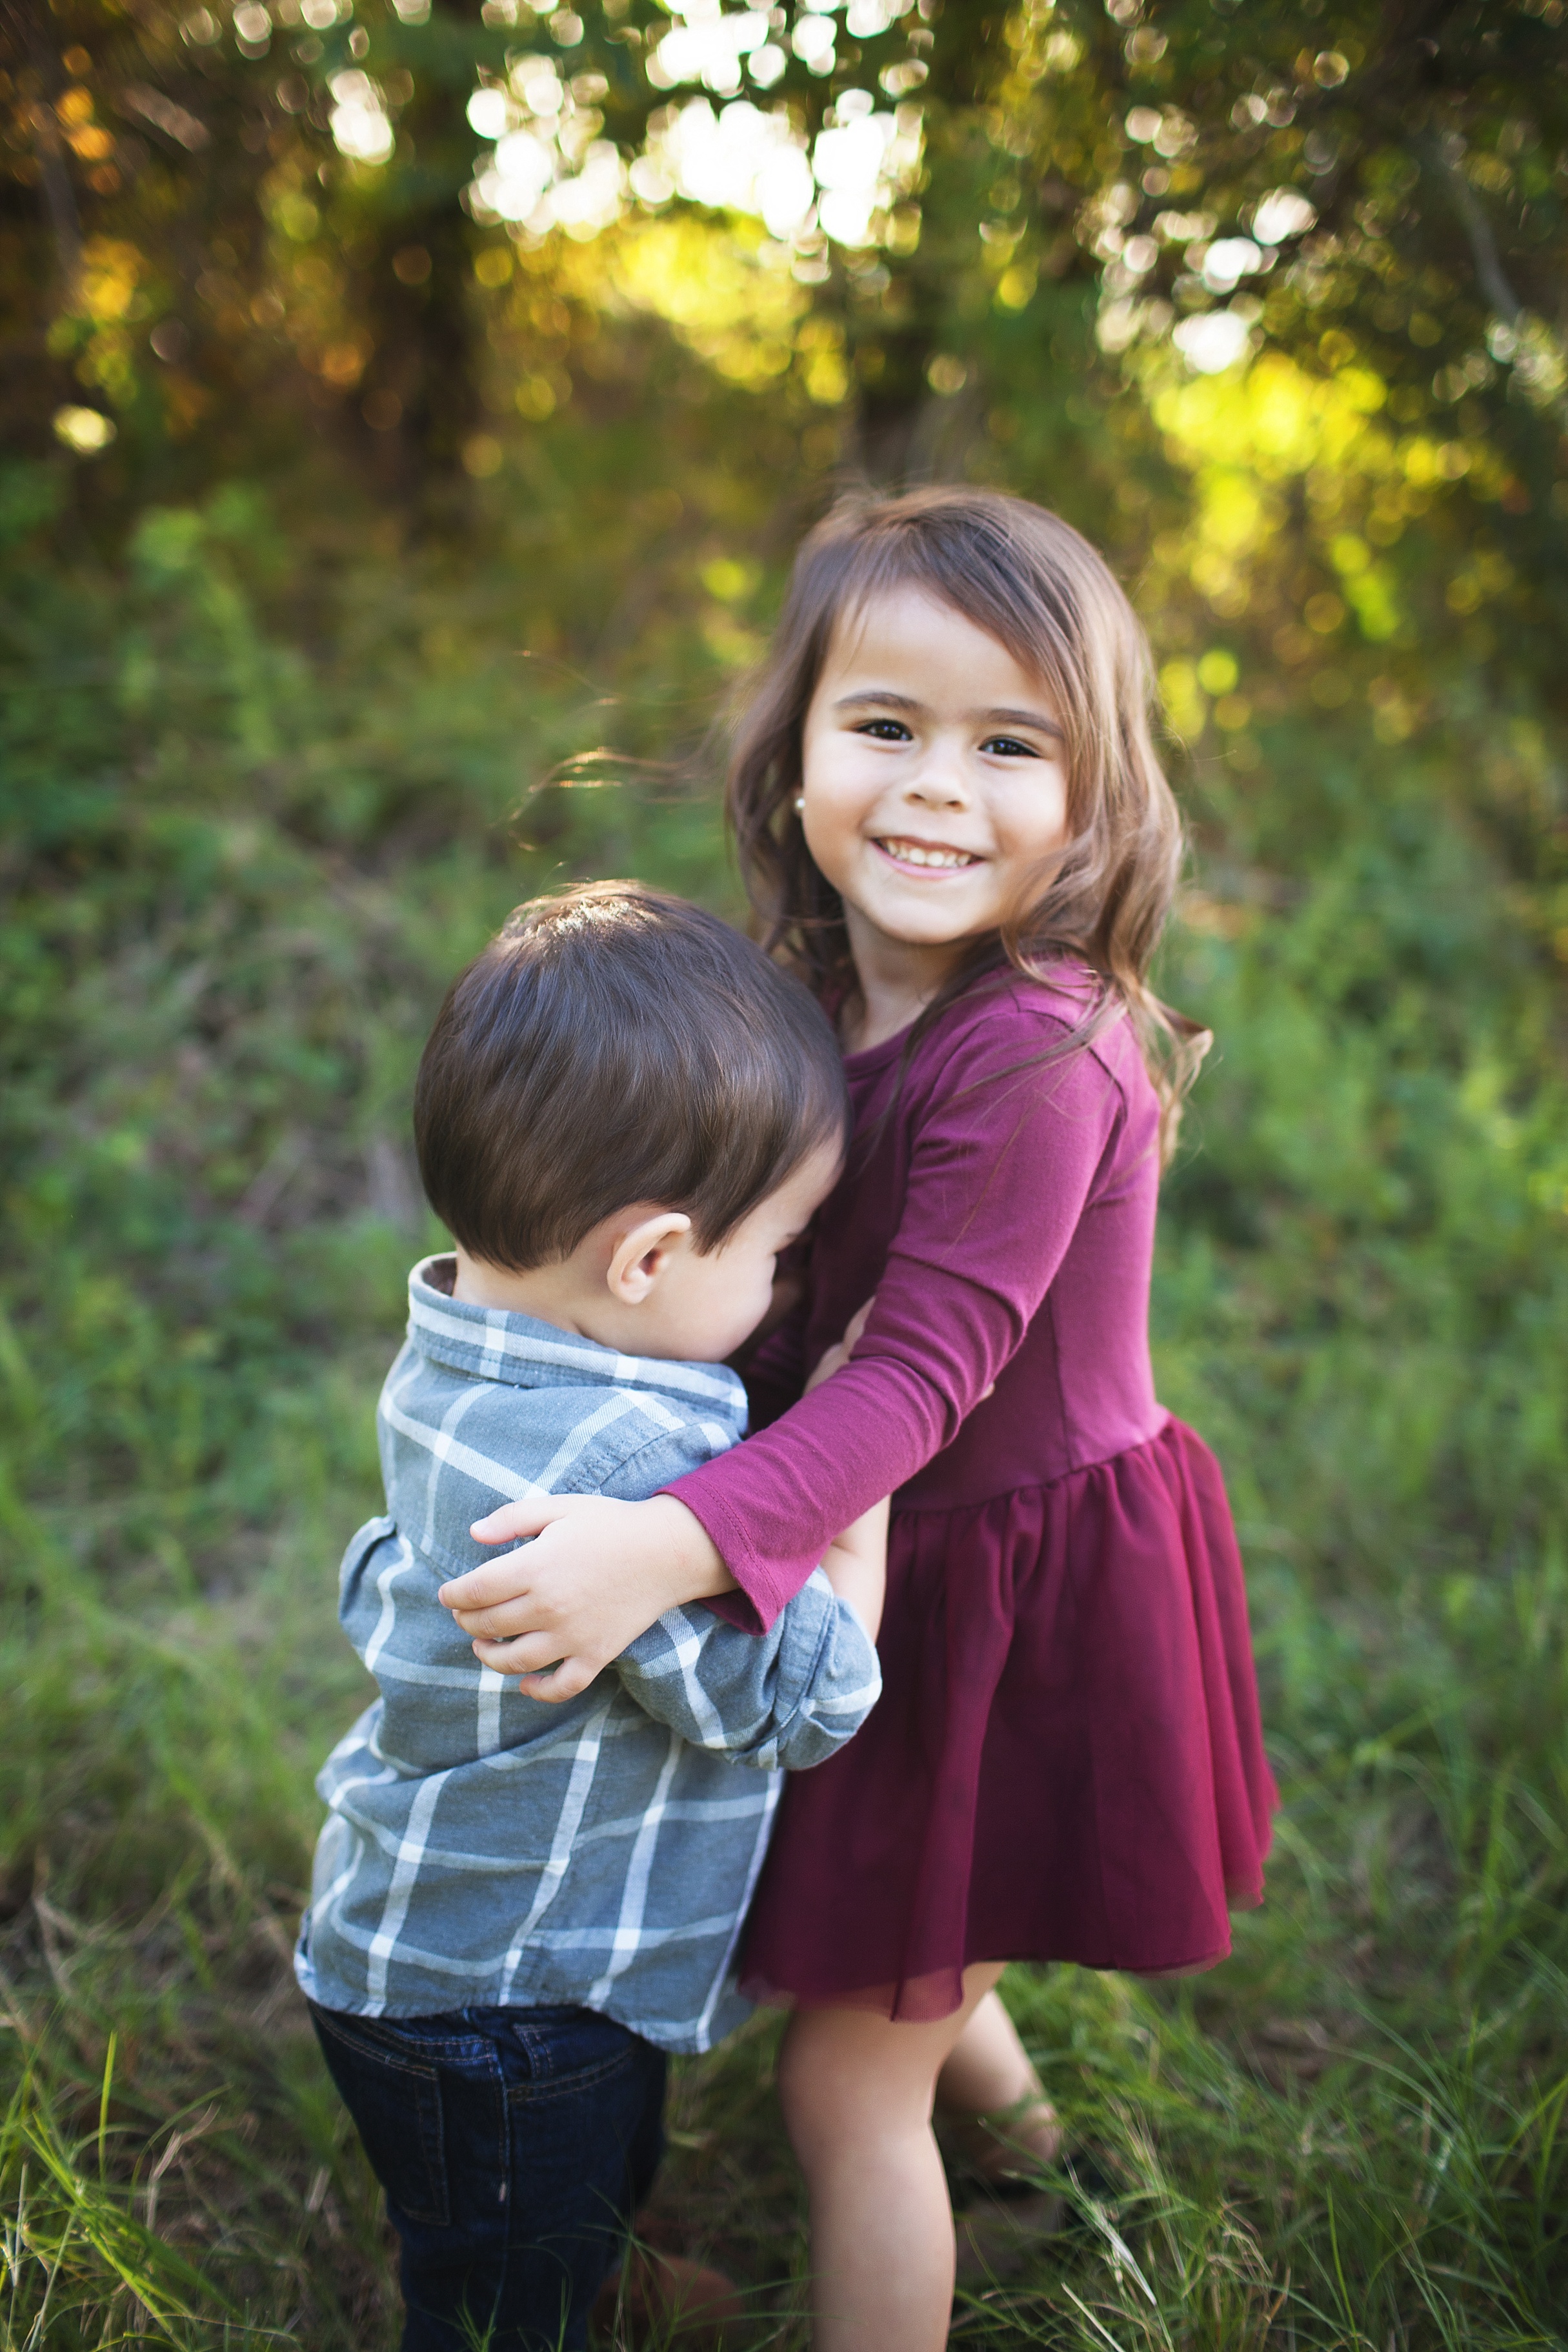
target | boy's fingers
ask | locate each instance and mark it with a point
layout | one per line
(856, 1324)
(834, 1358)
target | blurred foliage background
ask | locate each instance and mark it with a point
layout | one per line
(409, 410)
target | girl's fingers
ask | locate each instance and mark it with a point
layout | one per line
(506, 1579)
(505, 1621)
(528, 1653)
(585, 1590)
(538, 1675)
(514, 1521)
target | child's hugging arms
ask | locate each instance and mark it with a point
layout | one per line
(856, 1561)
(1004, 1161)
(856, 1565)
(787, 1699)
(790, 1697)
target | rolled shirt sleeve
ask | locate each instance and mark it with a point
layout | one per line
(787, 1700)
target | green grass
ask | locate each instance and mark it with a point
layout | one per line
(238, 875)
(1353, 2134)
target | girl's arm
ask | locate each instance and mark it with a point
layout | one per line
(1001, 1171)
(1003, 1164)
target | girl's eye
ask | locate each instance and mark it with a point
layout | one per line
(886, 730)
(1010, 747)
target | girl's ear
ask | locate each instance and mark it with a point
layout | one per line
(642, 1252)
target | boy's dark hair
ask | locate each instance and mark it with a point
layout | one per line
(615, 1044)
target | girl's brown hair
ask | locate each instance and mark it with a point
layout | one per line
(1027, 579)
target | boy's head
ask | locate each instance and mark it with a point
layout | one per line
(614, 1051)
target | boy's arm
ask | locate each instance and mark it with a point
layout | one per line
(856, 1562)
(856, 1565)
(786, 1698)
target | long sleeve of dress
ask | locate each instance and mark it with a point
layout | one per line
(1001, 1162)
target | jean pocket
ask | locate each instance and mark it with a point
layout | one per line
(569, 2054)
(393, 2093)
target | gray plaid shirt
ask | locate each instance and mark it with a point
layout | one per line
(485, 1848)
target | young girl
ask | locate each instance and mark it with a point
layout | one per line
(953, 821)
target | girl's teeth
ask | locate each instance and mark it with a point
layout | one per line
(912, 854)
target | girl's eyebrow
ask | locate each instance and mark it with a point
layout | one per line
(879, 694)
(886, 699)
(1035, 718)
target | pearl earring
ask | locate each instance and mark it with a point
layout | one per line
(800, 804)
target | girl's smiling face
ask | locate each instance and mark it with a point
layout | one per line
(933, 779)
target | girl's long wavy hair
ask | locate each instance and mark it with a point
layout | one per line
(1028, 580)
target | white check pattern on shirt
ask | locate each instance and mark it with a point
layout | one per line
(483, 1848)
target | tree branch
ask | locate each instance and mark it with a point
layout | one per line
(59, 196)
(1483, 245)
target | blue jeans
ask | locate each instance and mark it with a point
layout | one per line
(514, 2146)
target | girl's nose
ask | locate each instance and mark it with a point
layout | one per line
(940, 783)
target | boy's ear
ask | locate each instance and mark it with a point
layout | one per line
(641, 1253)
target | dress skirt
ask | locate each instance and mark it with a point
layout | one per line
(1066, 1762)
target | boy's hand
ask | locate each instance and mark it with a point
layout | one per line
(596, 1574)
(856, 1564)
(788, 1289)
(832, 1358)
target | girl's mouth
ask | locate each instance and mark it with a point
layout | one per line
(925, 856)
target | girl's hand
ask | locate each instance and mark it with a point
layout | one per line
(595, 1575)
(834, 1357)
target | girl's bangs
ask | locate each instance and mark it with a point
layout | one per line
(990, 575)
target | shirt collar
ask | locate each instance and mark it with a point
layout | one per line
(499, 1346)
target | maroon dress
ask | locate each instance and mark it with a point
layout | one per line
(1066, 1763)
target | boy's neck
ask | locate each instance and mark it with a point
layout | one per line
(556, 1294)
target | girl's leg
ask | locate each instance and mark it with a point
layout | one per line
(990, 2092)
(857, 2091)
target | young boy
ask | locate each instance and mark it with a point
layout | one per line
(622, 1113)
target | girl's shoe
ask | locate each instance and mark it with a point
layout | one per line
(1004, 2152)
(998, 2236)
(1002, 2212)
(657, 2299)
